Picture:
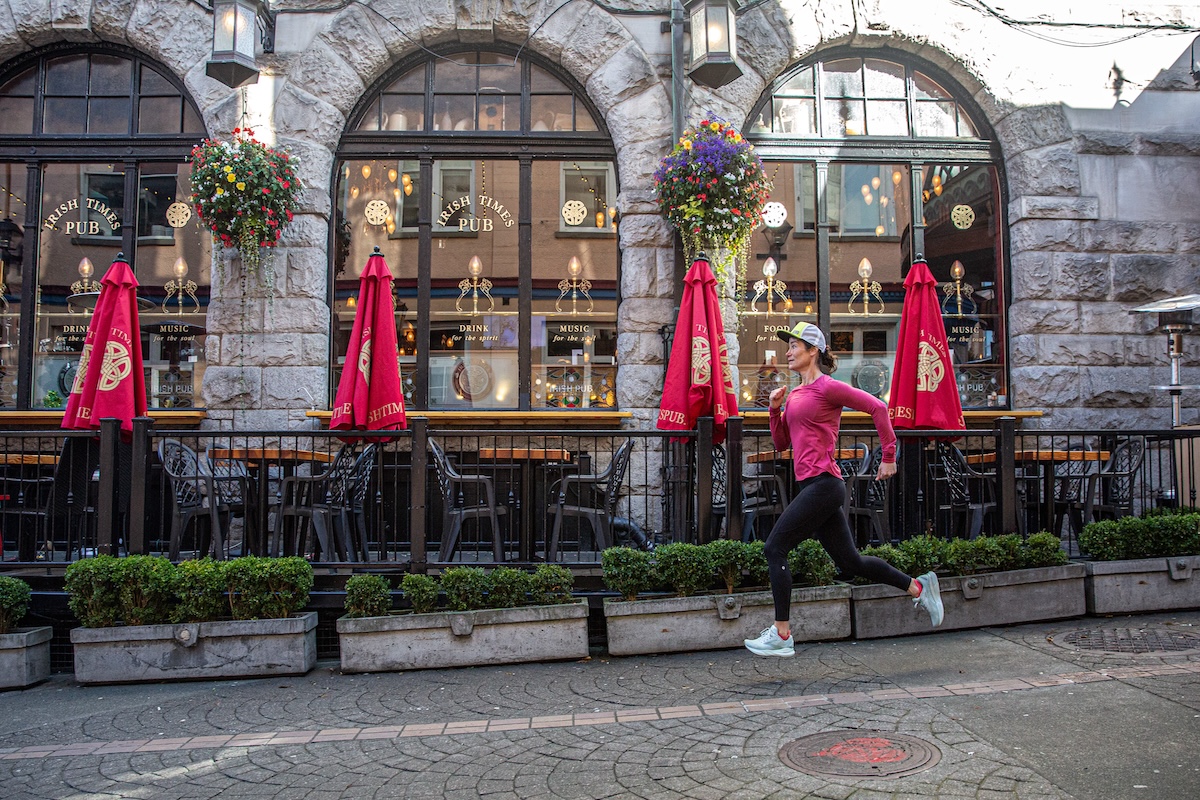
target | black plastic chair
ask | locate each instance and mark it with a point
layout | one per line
(465, 497)
(596, 497)
(1070, 480)
(1110, 491)
(24, 502)
(867, 498)
(968, 496)
(305, 508)
(343, 510)
(194, 498)
(235, 493)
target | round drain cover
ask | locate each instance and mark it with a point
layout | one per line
(859, 754)
(1131, 640)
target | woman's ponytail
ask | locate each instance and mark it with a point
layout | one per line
(828, 362)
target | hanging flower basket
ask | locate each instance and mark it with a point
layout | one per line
(246, 193)
(712, 188)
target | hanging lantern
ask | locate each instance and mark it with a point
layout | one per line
(714, 42)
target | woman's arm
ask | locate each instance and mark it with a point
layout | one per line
(857, 399)
(781, 437)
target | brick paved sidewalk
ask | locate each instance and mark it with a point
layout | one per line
(1009, 712)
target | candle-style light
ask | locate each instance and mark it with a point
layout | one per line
(85, 282)
(771, 287)
(476, 285)
(957, 289)
(867, 288)
(180, 286)
(573, 284)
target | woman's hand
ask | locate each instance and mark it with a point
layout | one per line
(885, 471)
(776, 399)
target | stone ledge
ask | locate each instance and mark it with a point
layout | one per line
(1041, 207)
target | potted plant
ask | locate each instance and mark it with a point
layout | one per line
(697, 617)
(145, 619)
(24, 652)
(712, 188)
(245, 193)
(1149, 563)
(504, 616)
(990, 580)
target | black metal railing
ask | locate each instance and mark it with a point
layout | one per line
(530, 495)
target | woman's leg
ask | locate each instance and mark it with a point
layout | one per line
(817, 501)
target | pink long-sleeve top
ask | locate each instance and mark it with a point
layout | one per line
(811, 417)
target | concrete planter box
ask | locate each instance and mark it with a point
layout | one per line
(24, 656)
(715, 622)
(204, 650)
(1144, 584)
(464, 638)
(975, 601)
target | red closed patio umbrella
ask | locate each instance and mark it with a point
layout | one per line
(369, 396)
(699, 381)
(924, 390)
(109, 381)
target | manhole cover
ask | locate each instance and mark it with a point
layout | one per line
(1131, 640)
(860, 754)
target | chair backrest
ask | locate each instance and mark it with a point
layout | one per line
(446, 473)
(720, 478)
(182, 466)
(876, 490)
(1120, 473)
(231, 479)
(338, 477)
(616, 475)
(360, 476)
(954, 472)
(1069, 477)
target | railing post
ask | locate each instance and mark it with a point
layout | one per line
(733, 479)
(417, 519)
(139, 481)
(1006, 474)
(106, 517)
(704, 477)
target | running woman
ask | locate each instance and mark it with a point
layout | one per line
(807, 420)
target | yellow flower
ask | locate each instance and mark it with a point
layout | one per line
(228, 168)
(714, 126)
(687, 144)
(231, 177)
(241, 187)
(220, 191)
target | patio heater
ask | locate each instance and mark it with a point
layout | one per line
(1174, 317)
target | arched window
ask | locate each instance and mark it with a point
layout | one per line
(488, 183)
(875, 162)
(94, 145)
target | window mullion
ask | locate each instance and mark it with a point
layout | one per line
(824, 298)
(424, 278)
(525, 281)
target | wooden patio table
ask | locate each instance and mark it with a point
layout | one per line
(786, 455)
(526, 457)
(1043, 460)
(28, 459)
(259, 460)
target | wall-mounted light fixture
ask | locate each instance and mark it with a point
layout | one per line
(573, 284)
(957, 289)
(714, 42)
(475, 285)
(180, 286)
(867, 288)
(237, 26)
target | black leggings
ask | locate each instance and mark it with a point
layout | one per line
(817, 510)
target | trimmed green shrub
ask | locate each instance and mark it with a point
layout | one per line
(757, 570)
(1103, 540)
(552, 584)
(811, 565)
(421, 591)
(889, 553)
(368, 596)
(1159, 535)
(1043, 550)
(1010, 551)
(199, 589)
(14, 602)
(465, 588)
(685, 567)
(923, 553)
(1175, 535)
(627, 571)
(146, 588)
(93, 590)
(508, 588)
(967, 556)
(729, 559)
(267, 588)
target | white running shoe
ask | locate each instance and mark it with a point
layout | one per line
(930, 599)
(768, 643)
